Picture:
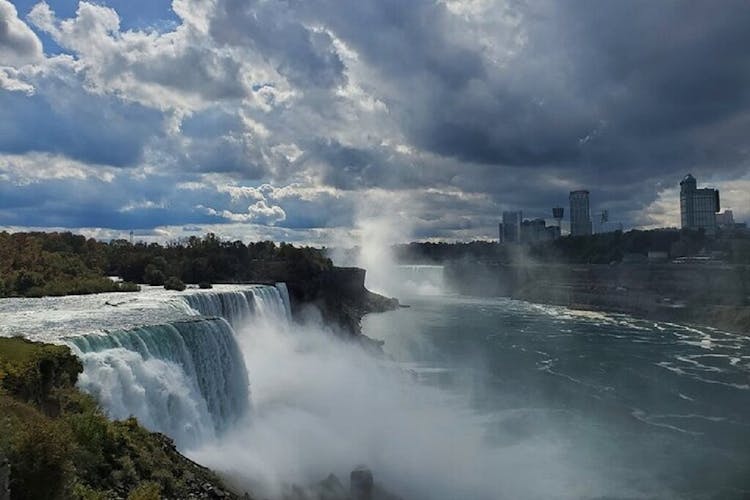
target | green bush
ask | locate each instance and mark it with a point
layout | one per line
(31, 372)
(153, 275)
(146, 490)
(39, 264)
(174, 283)
(38, 455)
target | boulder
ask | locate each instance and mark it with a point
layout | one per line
(361, 483)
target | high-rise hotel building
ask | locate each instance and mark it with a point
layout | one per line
(580, 213)
(698, 207)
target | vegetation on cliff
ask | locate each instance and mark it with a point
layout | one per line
(60, 444)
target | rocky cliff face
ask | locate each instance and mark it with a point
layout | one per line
(339, 293)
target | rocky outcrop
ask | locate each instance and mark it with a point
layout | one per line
(340, 295)
(361, 483)
(362, 486)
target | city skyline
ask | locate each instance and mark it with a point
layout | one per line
(294, 122)
(700, 209)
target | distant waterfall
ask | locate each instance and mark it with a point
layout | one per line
(421, 279)
(267, 302)
(186, 379)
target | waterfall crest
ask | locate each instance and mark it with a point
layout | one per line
(261, 301)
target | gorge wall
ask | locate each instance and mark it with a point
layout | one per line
(709, 294)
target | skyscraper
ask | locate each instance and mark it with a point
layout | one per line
(580, 214)
(512, 227)
(698, 207)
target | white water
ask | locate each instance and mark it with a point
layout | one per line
(420, 280)
(322, 406)
(319, 405)
(186, 379)
(181, 373)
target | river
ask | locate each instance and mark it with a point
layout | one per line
(629, 408)
(473, 398)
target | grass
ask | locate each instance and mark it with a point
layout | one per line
(17, 350)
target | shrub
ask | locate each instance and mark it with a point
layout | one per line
(75, 451)
(39, 460)
(205, 285)
(174, 283)
(129, 286)
(146, 490)
(153, 275)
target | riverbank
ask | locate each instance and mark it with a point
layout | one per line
(700, 294)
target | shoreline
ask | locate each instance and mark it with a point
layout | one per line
(703, 295)
(732, 319)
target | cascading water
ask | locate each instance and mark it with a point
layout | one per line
(418, 280)
(235, 306)
(185, 378)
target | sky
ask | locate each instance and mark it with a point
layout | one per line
(296, 120)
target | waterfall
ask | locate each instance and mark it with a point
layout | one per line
(235, 306)
(421, 279)
(270, 305)
(284, 292)
(187, 378)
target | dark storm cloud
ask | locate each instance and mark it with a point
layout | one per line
(305, 56)
(460, 108)
(61, 118)
(346, 167)
(622, 84)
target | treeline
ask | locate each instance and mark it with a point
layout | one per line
(603, 248)
(37, 264)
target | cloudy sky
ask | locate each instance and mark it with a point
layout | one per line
(296, 119)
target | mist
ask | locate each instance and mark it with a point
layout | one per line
(376, 236)
(323, 406)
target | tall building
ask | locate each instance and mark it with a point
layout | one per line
(698, 207)
(725, 219)
(580, 213)
(534, 231)
(512, 227)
